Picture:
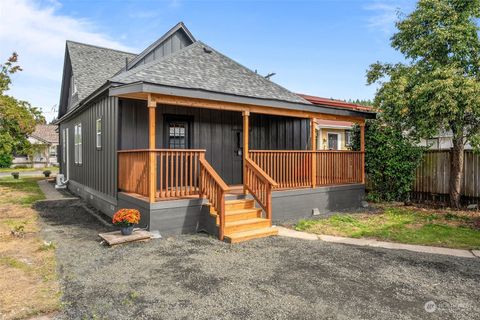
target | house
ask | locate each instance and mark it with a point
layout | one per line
(44, 142)
(334, 134)
(196, 141)
(441, 141)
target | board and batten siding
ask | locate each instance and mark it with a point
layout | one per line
(213, 130)
(98, 170)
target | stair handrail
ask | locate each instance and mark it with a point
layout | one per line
(260, 185)
(214, 188)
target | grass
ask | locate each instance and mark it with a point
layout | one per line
(405, 225)
(23, 191)
(30, 285)
(53, 169)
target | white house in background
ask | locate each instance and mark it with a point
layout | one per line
(45, 138)
(441, 141)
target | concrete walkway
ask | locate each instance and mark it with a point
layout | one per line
(50, 192)
(285, 232)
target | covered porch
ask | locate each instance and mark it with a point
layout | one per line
(156, 175)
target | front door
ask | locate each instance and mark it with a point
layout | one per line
(237, 156)
(332, 141)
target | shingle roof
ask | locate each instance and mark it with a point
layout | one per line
(46, 132)
(198, 66)
(92, 66)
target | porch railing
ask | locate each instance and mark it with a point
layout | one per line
(305, 168)
(177, 172)
(260, 185)
(214, 189)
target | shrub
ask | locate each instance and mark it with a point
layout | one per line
(390, 161)
(5, 160)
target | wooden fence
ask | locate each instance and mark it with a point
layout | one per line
(433, 177)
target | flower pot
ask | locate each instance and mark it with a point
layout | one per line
(126, 231)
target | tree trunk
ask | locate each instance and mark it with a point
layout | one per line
(456, 169)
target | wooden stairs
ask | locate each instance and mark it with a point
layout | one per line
(243, 221)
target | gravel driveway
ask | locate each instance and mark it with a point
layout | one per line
(199, 277)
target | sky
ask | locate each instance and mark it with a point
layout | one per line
(321, 47)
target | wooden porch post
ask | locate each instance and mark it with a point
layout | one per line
(152, 163)
(245, 115)
(362, 148)
(313, 144)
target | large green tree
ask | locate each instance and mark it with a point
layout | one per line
(437, 89)
(17, 118)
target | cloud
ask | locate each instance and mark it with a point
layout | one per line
(37, 32)
(385, 14)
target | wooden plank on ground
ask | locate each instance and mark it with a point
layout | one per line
(116, 237)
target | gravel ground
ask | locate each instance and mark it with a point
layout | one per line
(198, 277)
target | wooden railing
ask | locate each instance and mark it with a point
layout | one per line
(289, 168)
(133, 171)
(214, 189)
(260, 185)
(305, 168)
(177, 172)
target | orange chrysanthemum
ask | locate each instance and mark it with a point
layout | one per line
(126, 217)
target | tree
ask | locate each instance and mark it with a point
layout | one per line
(17, 118)
(437, 89)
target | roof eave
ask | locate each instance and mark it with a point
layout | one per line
(144, 87)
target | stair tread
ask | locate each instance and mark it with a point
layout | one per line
(238, 201)
(267, 231)
(238, 211)
(244, 221)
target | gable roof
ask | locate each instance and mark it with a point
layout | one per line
(179, 27)
(200, 67)
(45, 132)
(334, 103)
(92, 66)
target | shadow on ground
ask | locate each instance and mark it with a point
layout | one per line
(198, 277)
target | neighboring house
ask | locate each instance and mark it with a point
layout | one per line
(334, 134)
(442, 141)
(44, 141)
(182, 132)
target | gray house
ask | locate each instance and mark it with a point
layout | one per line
(196, 141)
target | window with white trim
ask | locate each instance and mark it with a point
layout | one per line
(78, 144)
(98, 126)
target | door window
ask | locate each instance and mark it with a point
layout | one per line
(178, 135)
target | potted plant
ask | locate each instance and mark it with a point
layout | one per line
(15, 174)
(126, 219)
(47, 173)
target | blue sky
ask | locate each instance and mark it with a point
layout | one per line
(318, 47)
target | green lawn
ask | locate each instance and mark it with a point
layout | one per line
(23, 191)
(53, 169)
(405, 225)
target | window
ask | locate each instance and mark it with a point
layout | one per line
(98, 127)
(53, 151)
(73, 87)
(348, 138)
(177, 135)
(64, 145)
(78, 144)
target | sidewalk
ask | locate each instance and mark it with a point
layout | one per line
(51, 193)
(285, 232)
